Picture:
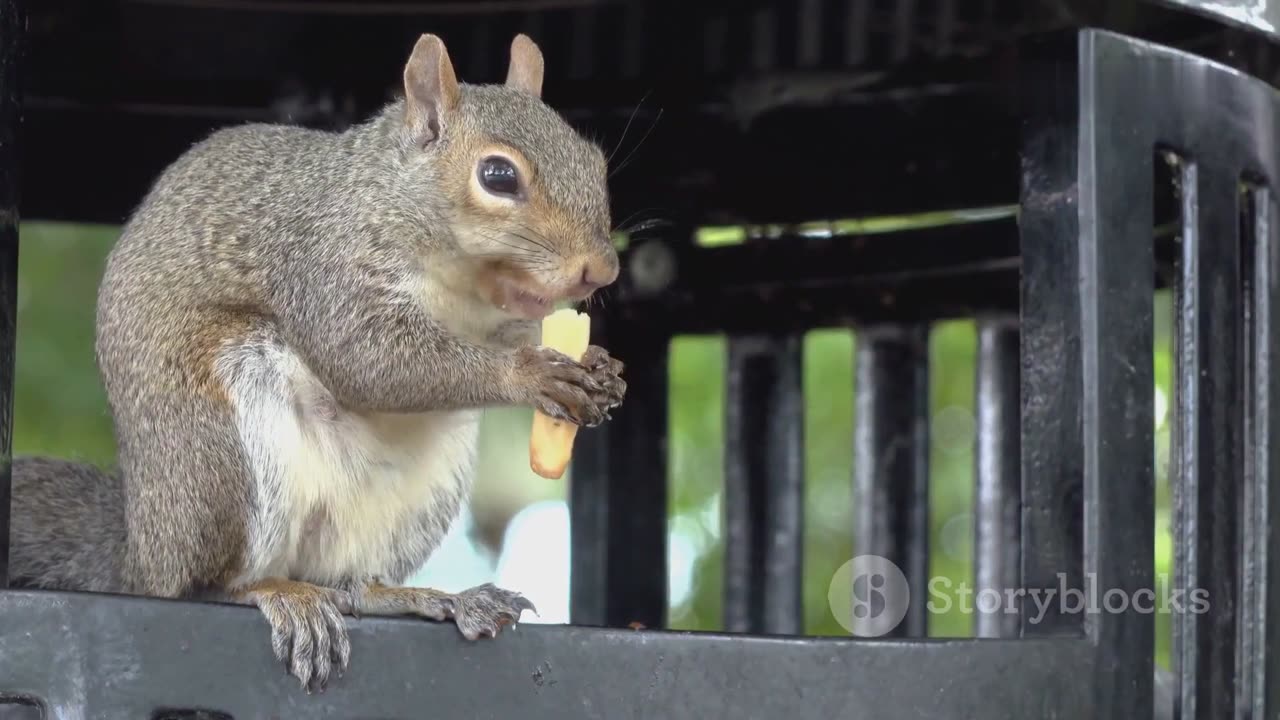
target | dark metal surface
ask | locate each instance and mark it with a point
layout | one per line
(1088, 305)
(1200, 106)
(12, 22)
(793, 283)
(1133, 99)
(1260, 571)
(764, 486)
(618, 492)
(764, 112)
(1260, 16)
(998, 502)
(891, 457)
(1208, 469)
(1051, 444)
(1115, 296)
(152, 654)
(730, 103)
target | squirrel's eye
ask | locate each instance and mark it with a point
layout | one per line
(499, 177)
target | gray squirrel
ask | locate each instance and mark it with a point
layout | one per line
(297, 331)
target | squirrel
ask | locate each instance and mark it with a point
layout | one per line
(297, 331)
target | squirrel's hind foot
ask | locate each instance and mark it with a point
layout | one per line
(478, 612)
(308, 633)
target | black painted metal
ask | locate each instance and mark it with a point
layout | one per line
(1260, 571)
(1121, 83)
(891, 457)
(998, 502)
(1087, 415)
(1068, 505)
(1051, 445)
(764, 486)
(618, 502)
(219, 658)
(12, 23)
(1208, 476)
(793, 283)
(735, 139)
(1115, 264)
(1259, 16)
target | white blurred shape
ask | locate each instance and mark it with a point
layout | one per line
(535, 560)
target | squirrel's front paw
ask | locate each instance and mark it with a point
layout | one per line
(582, 393)
(607, 372)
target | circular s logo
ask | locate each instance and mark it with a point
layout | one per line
(869, 596)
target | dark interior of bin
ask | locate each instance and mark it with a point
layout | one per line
(771, 110)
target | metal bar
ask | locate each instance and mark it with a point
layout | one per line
(793, 283)
(891, 457)
(633, 48)
(809, 47)
(998, 507)
(618, 503)
(903, 30)
(12, 24)
(763, 38)
(1208, 468)
(55, 644)
(1261, 17)
(858, 32)
(583, 49)
(1114, 273)
(1051, 445)
(943, 39)
(1267, 463)
(764, 486)
(1260, 592)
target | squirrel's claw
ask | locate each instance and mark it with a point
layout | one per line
(484, 610)
(481, 611)
(308, 633)
(581, 393)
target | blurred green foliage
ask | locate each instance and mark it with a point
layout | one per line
(60, 410)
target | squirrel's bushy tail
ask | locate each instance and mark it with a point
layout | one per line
(67, 526)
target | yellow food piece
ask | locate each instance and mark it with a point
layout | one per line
(551, 440)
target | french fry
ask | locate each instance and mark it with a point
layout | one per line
(551, 440)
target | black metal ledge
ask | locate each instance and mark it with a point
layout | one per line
(122, 657)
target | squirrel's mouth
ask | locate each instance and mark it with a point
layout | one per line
(523, 302)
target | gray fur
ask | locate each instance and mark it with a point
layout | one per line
(67, 526)
(265, 245)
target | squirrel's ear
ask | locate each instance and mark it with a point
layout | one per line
(525, 71)
(430, 89)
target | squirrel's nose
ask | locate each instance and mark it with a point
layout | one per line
(597, 273)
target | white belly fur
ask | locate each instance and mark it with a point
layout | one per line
(341, 494)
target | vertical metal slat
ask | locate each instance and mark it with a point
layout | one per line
(618, 492)
(12, 23)
(903, 29)
(1260, 593)
(1208, 467)
(1051, 445)
(764, 486)
(998, 506)
(891, 468)
(583, 49)
(858, 32)
(809, 50)
(1114, 272)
